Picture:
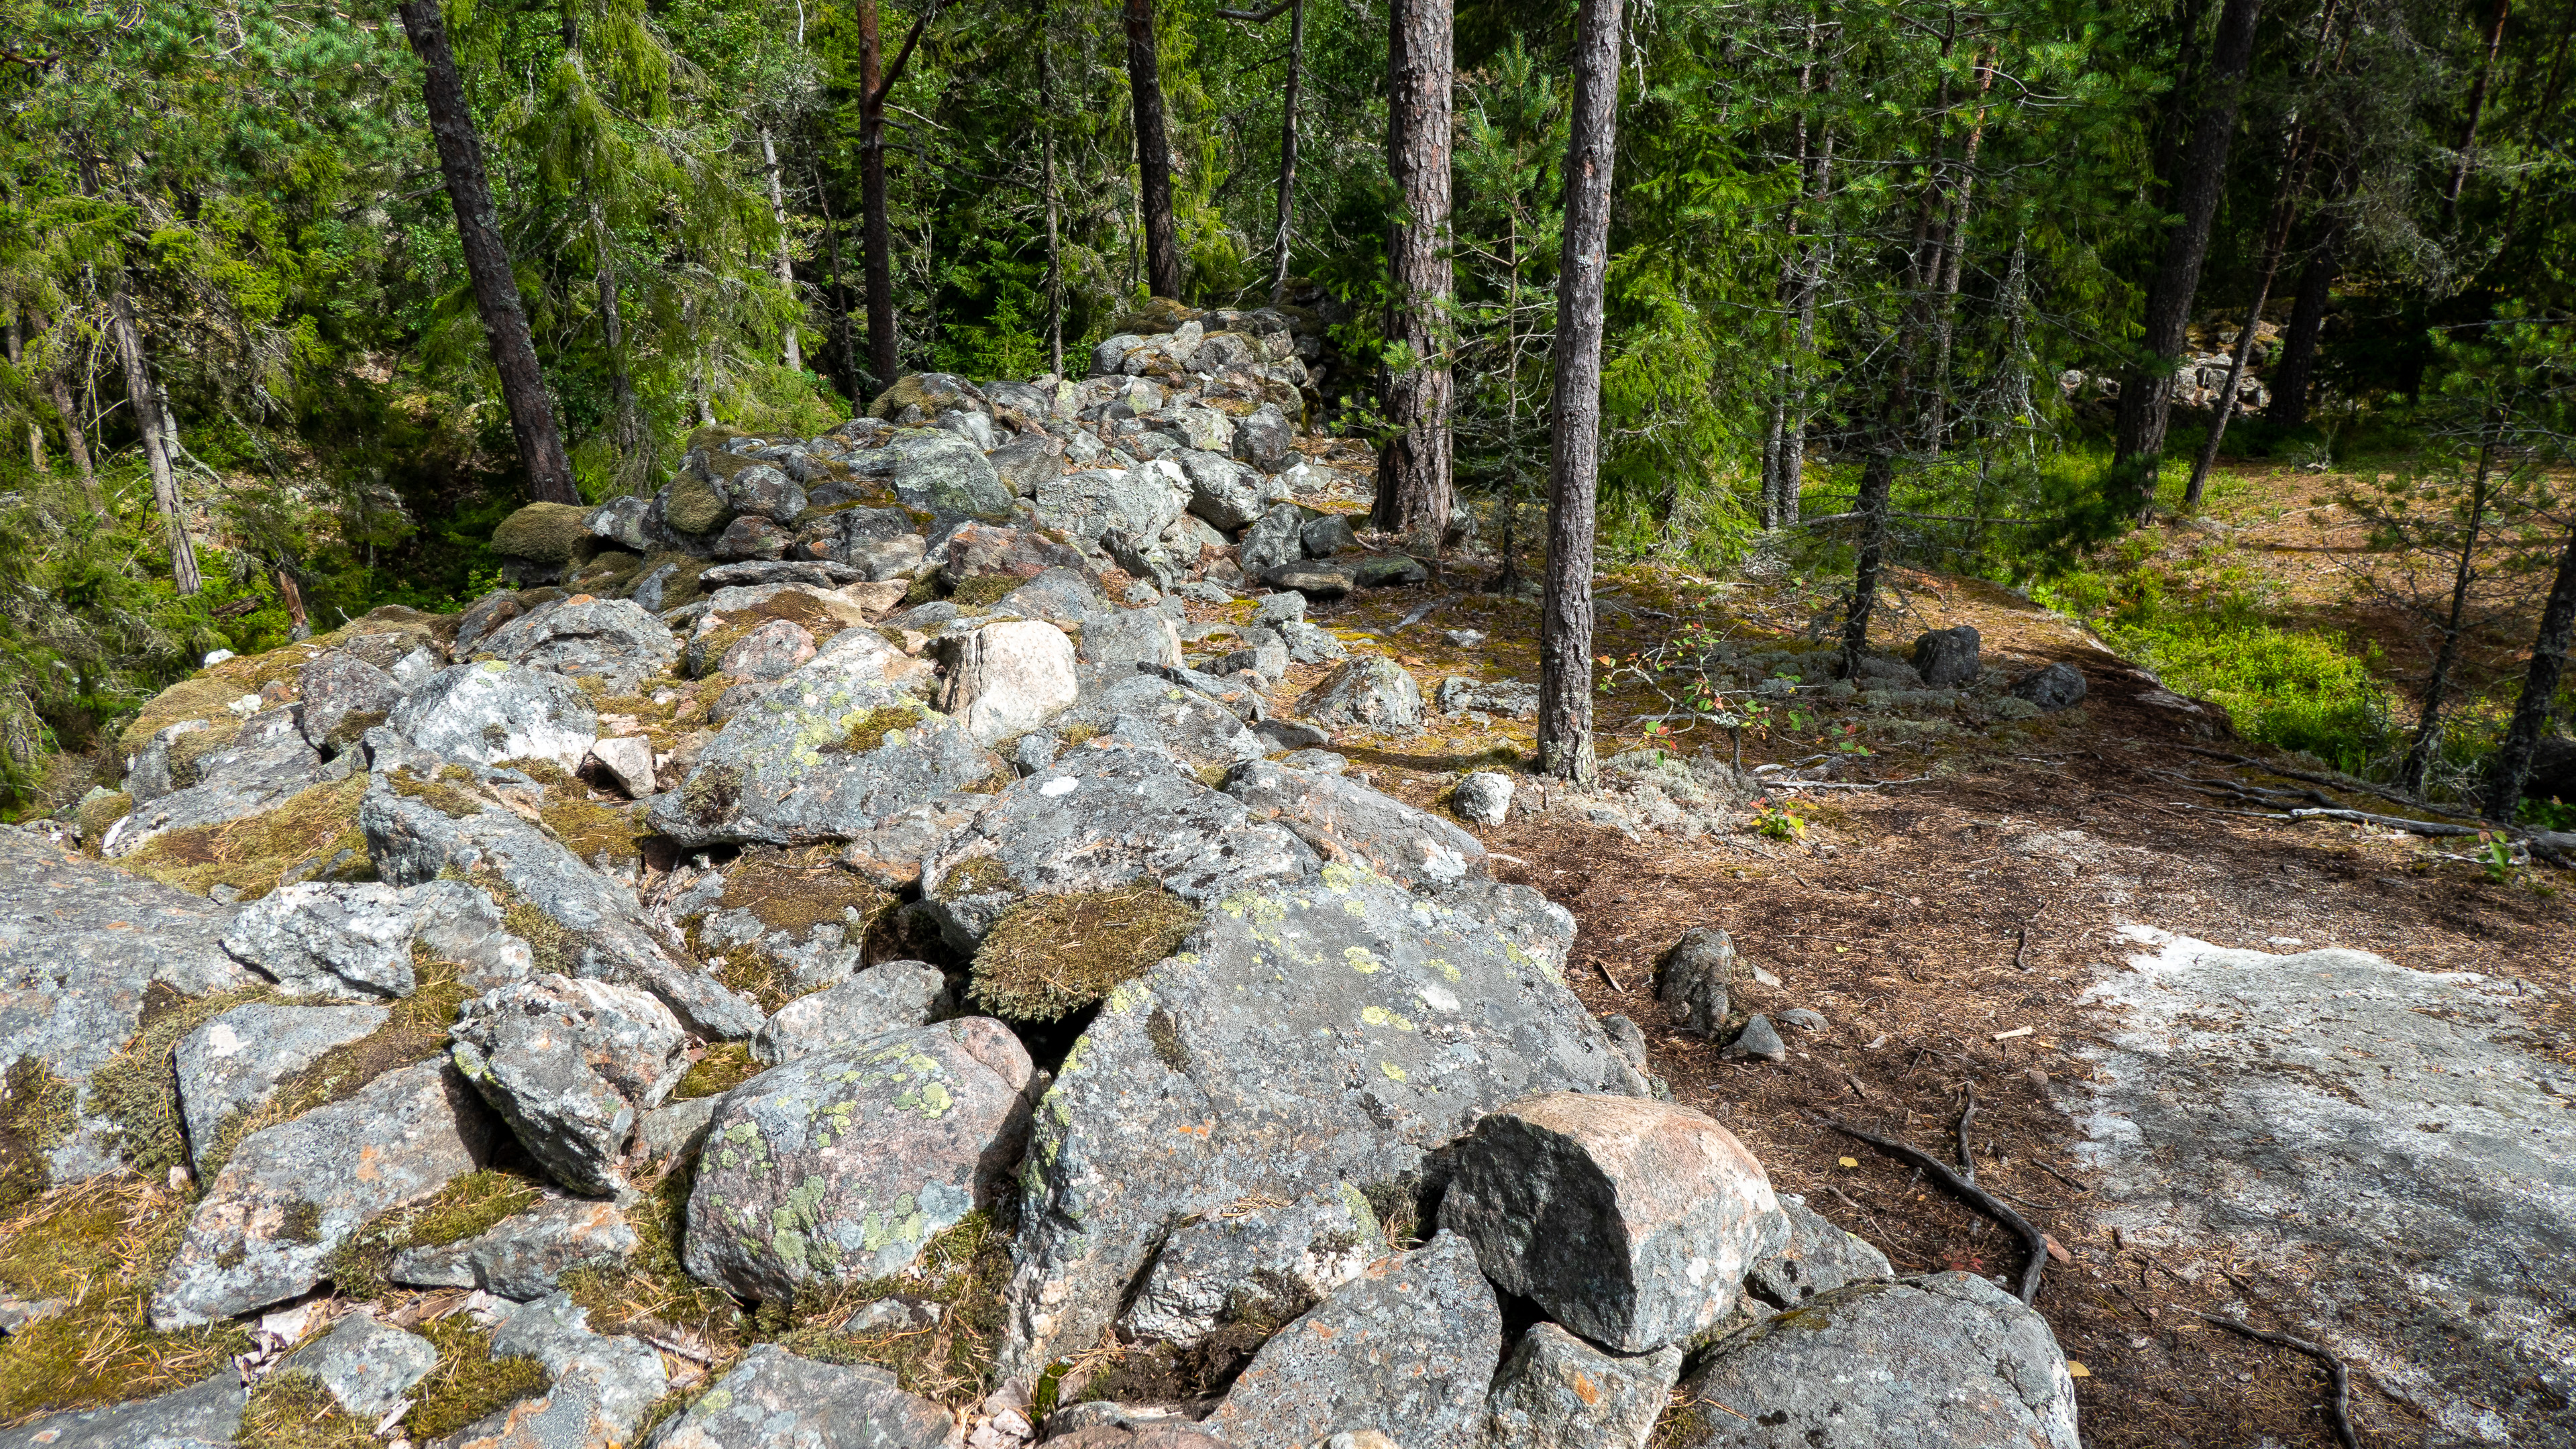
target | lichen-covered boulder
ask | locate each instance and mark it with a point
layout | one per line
(764, 490)
(1150, 708)
(1010, 678)
(340, 942)
(1143, 500)
(611, 640)
(204, 1415)
(1558, 1392)
(1343, 819)
(938, 471)
(340, 697)
(1125, 638)
(365, 1365)
(774, 1400)
(229, 1066)
(490, 711)
(827, 754)
(570, 1065)
(753, 538)
(1371, 693)
(881, 543)
(932, 392)
(1629, 1221)
(1265, 439)
(988, 550)
(1818, 1258)
(839, 1167)
(890, 996)
(1331, 1030)
(1275, 539)
(1406, 1351)
(1213, 1270)
(261, 766)
(1102, 815)
(1228, 494)
(292, 1194)
(1948, 1360)
(525, 1255)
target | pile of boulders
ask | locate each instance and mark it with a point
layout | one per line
(1006, 909)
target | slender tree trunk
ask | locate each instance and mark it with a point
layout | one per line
(1877, 483)
(139, 396)
(35, 430)
(2512, 764)
(1153, 152)
(1413, 468)
(1054, 239)
(75, 442)
(1811, 284)
(487, 260)
(629, 430)
(2295, 376)
(1954, 251)
(2428, 724)
(2146, 392)
(842, 342)
(2477, 106)
(793, 350)
(1775, 472)
(2276, 240)
(1288, 146)
(876, 241)
(1574, 464)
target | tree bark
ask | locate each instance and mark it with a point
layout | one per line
(794, 352)
(1574, 465)
(140, 397)
(2295, 376)
(876, 238)
(1054, 237)
(2512, 764)
(2146, 392)
(487, 259)
(1153, 153)
(1413, 468)
(2477, 106)
(2428, 723)
(59, 393)
(35, 430)
(1288, 145)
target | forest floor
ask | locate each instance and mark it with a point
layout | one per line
(1950, 929)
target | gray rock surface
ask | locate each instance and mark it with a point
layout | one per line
(2052, 688)
(601, 1387)
(489, 712)
(1143, 500)
(1629, 1221)
(939, 471)
(2384, 1163)
(1130, 637)
(613, 640)
(1502, 698)
(1275, 539)
(1484, 798)
(1818, 1259)
(1327, 1031)
(367, 1365)
(79, 943)
(603, 934)
(1102, 815)
(790, 769)
(1207, 1268)
(525, 1255)
(1557, 1392)
(293, 1193)
(1371, 693)
(1694, 978)
(1947, 658)
(570, 1064)
(890, 996)
(1345, 820)
(1406, 1351)
(1759, 1040)
(204, 1416)
(838, 1168)
(1309, 644)
(775, 1400)
(1150, 709)
(765, 491)
(1228, 494)
(1949, 1360)
(1009, 678)
(1265, 438)
(232, 1063)
(339, 697)
(261, 768)
(339, 942)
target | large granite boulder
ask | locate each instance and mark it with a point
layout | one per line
(230, 1066)
(340, 697)
(1948, 1360)
(1143, 500)
(612, 640)
(340, 942)
(839, 1167)
(571, 1065)
(1345, 820)
(1228, 494)
(1558, 1392)
(1407, 1351)
(1370, 693)
(263, 765)
(830, 752)
(487, 712)
(1151, 709)
(1331, 1030)
(937, 471)
(1122, 640)
(292, 1194)
(772, 1399)
(1009, 678)
(1629, 1221)
(1947, 658)
(1275, 540)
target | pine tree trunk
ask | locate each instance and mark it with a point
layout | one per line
(487, 259)
(1574, 466)
(35, 430)
(2146, 391)
(1047, 198)
(2512, 763)
(2477, 105)
(139, 396)
(1413, 469)
(59, 393)
(793, 350)
(2276, 240)
(1153, 152)
(2428, 722)
(2294, 377)
(1288, 145)
(876, 241)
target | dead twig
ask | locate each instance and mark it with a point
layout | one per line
(2339, 1405)
(2033, 1240)
(1604, 968)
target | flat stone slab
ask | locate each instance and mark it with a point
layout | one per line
(2372, 1145)
(202, 1416)
(774, 1400)
(525, 1255)
(366, 1365)
(233, 1062)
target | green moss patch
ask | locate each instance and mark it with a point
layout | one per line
(138, 1088)
(545, 532)
(650, 1290)
(465, 1208)
(469, 1382)
(871, 727)
(725, 1066)
(313, 836)
(984, 590)
(590, 829)
(437, 791)
(1054, 954)
(35, 1116)
(207, 697)
(291, 1409)
(188, 749)
(964, 1270)
(711, 792)
(799, 892)
(980, 875)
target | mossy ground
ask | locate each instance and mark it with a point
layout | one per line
(439, 791)
(871, 728)
(290, 1409)
(725, 1066)
(35, 1116)
(985, 590)
(1052, 955)
(793, 893)
(964, 1271)
(650, 1291)
(138, 1088)
(313, 836)
(100, 1246)
(465, 1208)
(468, 1382)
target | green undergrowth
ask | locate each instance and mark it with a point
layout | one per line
(35, 1116)
(725, 1066)
(2294, 689)
(1052, 955)
(468, 1382)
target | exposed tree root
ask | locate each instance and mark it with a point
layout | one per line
(1966, 1189)
(2339, 1406)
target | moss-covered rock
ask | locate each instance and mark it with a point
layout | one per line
(545, 532)
(1052, 955)
(693, 504)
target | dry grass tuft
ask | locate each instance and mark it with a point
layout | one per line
(313, 836)
(1055, 954)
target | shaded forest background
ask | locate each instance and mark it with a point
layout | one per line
(1917, 236)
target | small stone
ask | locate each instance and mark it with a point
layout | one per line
(1219, 1269)
(1370, 693)
(1693, 977)
(366, 1365)
(1308, 644)
(1314, 580)
(482, 714)
(2056, 687)
(340, 942)
(1390, 571)
(1818, 1258)
(1326, 536)
(888, 997)
(1281, 608)
(753, 538)
(627, 761)
(1558, 1392)
(772, 1399)
(340, 696)
(1803, 1019)
(525, 1255)
(1947, 658)
(602, 1386)
(1465, 638)
(2039, 1080)
(1759, 1039)
(1484, 798)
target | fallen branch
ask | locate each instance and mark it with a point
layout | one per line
(2330, 782)
(1842, 785)
(2339, 1378)
(2033, 1240)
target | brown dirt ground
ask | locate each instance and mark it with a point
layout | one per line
(1908, 919)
